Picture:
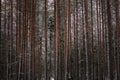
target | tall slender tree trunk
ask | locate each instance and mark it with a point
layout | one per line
(55, 39)
(25, 39)
(33, 37)
(11, 37)
(86, 38)
(65, 41)
(0, 26)
(45, 25)
(117, 34)
(97, 43)
(92, 48)
(77, 51)
(69, 40)
(18, 40)
(19, 46)
(110, 54)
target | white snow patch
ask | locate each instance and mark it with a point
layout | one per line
(52, 78)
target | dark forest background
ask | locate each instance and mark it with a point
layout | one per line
(59, 40)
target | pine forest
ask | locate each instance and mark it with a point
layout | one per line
(59, 39)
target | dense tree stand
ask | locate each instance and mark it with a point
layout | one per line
(59, 40)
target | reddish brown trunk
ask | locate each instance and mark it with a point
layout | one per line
(65, 42)
(25, 39)
(45, 25)
(33, 37)
(117, 34)
(55, 39)
(69, 39)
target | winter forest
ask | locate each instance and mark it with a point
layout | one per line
(59, 39)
